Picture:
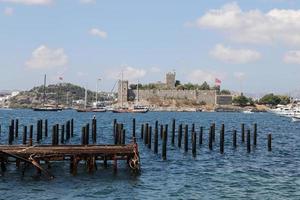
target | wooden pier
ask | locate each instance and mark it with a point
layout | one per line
(34, 155)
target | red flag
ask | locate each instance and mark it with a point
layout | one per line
(218, 82)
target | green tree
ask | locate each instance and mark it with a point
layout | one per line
(284, 100)
(225, 92)
(242, 101)
(270, 99)
(204, 86)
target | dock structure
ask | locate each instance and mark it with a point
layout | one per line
(35, 155)
(39, 151)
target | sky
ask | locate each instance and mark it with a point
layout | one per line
(253, 46)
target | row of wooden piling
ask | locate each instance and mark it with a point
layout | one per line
(183, 133)
(67, 131)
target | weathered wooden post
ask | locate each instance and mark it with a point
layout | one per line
(243, 132)
(17, 128)
(41, 129)
(222, 139)
(30, 135)
(68, 130)
(116, 133)
(255, 135)
(83, 136)
(123, 136)
(57, 135)
(201, 136)
(167, 133)
(12, 124)
(149, 137)
(46, 128)
(38, 131)
(270, 142)
(24, 139)
(156, 138)
(173, 131)
(164, 145)
(10, 135)
(161, 131)
(210, 138)
(87, 135)
(146, 134)
(142, 131)
(213, 132)
(234, 139)
(194, 139)
(133, 127)
(72, 127)
(248, 141)
(62, 137)
(179, 135)
(186, 138)
(53, 134)
(94, 130)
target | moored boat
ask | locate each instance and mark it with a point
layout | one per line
(47, 109)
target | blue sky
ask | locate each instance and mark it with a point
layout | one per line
(253, 45)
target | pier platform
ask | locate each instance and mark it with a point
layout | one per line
(34, 155)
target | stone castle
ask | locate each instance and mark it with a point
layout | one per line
(168, 90)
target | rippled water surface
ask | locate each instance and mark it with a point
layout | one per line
(233, 175)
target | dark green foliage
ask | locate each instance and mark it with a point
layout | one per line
(225, 92)
(242, 101)
(271, 99)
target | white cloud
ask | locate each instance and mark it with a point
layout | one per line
(46, 58)
(199, 76)
(99, 33)
(292, 57)
(29, 2)
(87, 1)
(8, 11)
(253, 26)
(237, 56)
(129, 73)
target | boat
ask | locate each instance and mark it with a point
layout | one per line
(46, 108)
(248, 111)
(140, 109)
(98, 110)
(94, 109)
(286, 111)
(296, 119)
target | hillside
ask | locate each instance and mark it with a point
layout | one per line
(63, 94)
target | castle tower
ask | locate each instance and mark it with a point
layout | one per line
(122, 91)
(170, 80)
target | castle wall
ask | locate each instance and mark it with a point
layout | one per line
(207, 96)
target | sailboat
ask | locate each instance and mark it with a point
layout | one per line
(85, 109)
(46, 108)
(85, 103)
(101, 108)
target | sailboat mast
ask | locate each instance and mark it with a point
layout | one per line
(85, 98)
(97, 93)
(44, 95)
(122, 90)
(138, 92)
